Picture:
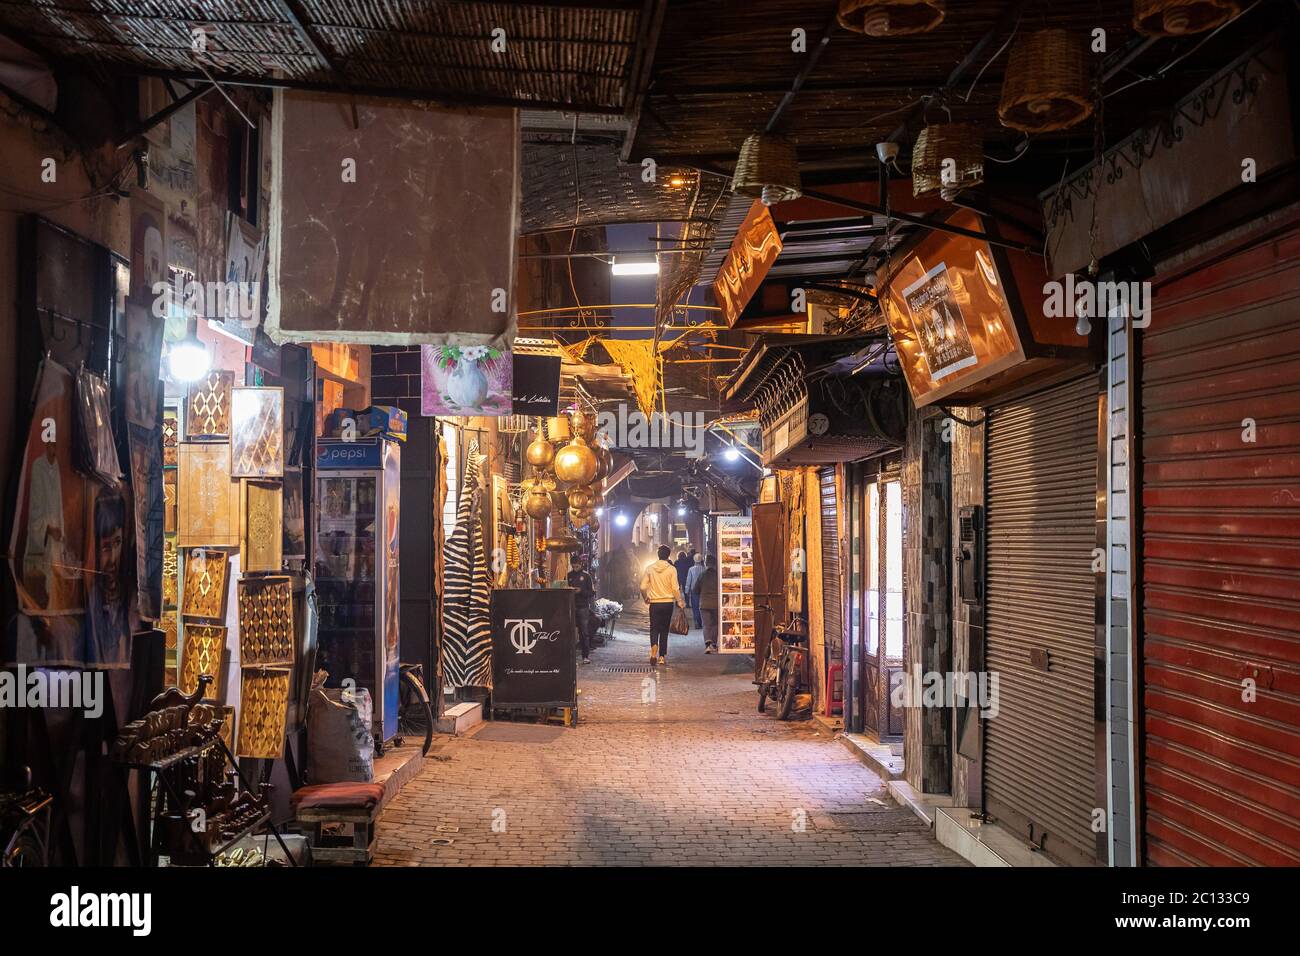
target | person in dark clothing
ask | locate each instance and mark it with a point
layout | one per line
(683, 566)
(706, 590)
(584, 591)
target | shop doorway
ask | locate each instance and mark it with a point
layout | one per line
(875, 602)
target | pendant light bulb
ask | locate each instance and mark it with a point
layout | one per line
(188, 360)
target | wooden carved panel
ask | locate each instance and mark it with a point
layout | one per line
(207, 513)
(266, 635)
(171, 434)
(206, 572)
(257, 433)
(169, 499)
(261, 542)
(168, 626)
(204, 646)
(170, 590)
(207, 407)
(263, 709)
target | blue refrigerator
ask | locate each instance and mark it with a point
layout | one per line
(356, 556)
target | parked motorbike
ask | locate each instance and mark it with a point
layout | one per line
(782, 676)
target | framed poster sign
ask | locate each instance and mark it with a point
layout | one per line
(534, 642)
(735, 584)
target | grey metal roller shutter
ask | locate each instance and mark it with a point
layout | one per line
(832, 615)
(1040, 773)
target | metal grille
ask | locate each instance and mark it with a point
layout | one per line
(832, 614)
(1221, 561)
(1040, 778)
(626, 669)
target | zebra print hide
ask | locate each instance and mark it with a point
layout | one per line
(466, 604)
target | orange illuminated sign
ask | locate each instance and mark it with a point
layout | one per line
(752, 253)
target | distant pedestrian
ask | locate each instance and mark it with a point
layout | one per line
(584, 588)
(697, 570)
(661, 591)
(683, 566)
(706, 592)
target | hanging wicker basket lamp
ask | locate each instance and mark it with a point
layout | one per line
(1176, 18)
(1046, 83)
(947, 158)
(890, 18)
(768, 169)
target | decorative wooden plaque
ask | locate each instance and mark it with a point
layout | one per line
(263, 709)
(205, 584)
(169, 499)
(170, 590)
(257, 433)
(168, 626)
(171, 435)
(266, 634)
(204, 646)
(207, 407)
(261, 520)
(207, 510)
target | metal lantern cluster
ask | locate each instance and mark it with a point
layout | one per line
(565, 488)
(890, 18)
(1176, 18)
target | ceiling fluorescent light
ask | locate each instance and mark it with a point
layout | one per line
(635, 267)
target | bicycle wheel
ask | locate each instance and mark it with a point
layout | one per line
(414, 712)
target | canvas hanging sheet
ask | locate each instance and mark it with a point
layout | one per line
(206, 573)
(467, 624)
(263, 705)
(205, 646)
(266, 635)
(150, 508)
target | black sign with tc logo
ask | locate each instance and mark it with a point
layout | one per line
(534, 646)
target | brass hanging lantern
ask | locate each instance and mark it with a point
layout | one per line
(768, 169)
(1046, 84)
(584, 424)
(593, 523)
(540, 453)
(947, 158)
(1176, 18)
(575, 463)
(580, 497)
(536, 499)
(604, 462)
(557, 428)
(890, 18)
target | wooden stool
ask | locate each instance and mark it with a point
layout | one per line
(355, 804)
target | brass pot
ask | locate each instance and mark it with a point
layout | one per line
(580, 498)
(575, 463)
(540, 453)
(537, 504)
(563, 543)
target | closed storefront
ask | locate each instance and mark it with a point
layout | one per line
(832, 612)
(1220, 558)
(1040, 749)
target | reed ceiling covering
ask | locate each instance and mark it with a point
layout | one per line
(561, 54)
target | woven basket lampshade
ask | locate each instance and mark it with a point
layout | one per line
(958, 142)
(1046, 83)
(890, 18)
(1178, 18)
(768, 169)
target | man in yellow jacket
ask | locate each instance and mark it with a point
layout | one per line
(661, 591)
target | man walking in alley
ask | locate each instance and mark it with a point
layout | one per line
(661, 590)
(584, 589)
(692, 596)
(683, 566)
(706, 599)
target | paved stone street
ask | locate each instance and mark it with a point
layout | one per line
(691, 776)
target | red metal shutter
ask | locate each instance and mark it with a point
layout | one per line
(1221, 560)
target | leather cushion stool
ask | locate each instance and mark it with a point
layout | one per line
(352, 804)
